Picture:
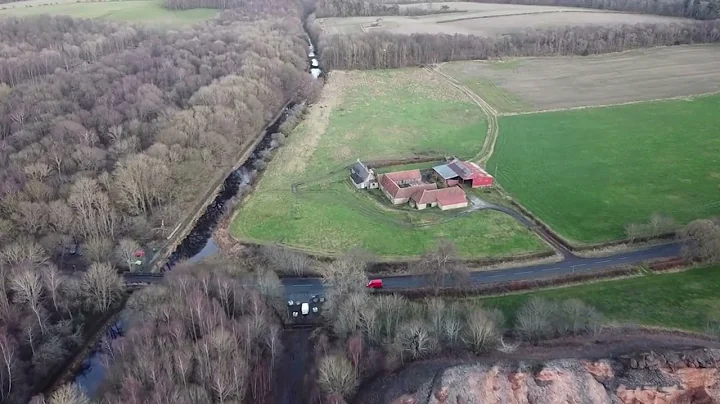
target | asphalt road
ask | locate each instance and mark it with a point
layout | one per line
(303, 288)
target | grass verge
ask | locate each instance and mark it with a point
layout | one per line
(588, 173)
(685, 300)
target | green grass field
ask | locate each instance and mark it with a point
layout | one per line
(686, 300)
(382, 114)
(588, 173)
(142, 11)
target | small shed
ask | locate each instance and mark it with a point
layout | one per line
(362, 176)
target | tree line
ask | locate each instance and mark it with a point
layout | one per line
(379, 50)
(248, 10)
(360, 8)
(697, 9)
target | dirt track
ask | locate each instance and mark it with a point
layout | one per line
(493, 129)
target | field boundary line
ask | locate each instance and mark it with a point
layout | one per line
(519, 14)
(492, 131)
(679, 97)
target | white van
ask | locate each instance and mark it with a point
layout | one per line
(305, 309)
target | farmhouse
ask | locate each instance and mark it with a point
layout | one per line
(362, 176)
(444, 198)
(458, 172)
(400, 186)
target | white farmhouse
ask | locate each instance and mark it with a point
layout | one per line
(362, 176)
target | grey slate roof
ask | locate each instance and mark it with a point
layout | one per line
(359, 173)
(445, 171)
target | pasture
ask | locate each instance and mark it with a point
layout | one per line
(532, 84)
(374, 115)
(140, 11)
(589, 172)
(487, 20)
(685, 300)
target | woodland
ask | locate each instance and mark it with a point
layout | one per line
(211, 333)
(107, 132)
(380, 50)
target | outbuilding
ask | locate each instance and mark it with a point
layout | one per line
(399, 186)
(362, 176)
(458, 172)
(444, 198)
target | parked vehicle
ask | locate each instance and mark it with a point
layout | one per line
(305, 309)
(375, 284)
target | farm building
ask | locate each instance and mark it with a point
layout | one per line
(362, 176)
(444, 198)
(400, 186)
(458, 172)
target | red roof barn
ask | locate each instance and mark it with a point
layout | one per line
(444, 198)
(464, 172)
(401, 185)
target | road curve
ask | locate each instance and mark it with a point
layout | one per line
(300, 288)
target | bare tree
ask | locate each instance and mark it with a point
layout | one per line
(8, 350)
(68, 394)
(27, 286)
(102, 287)
(577, 317)
(484, 330)
(98, 249)
(535, 319)
(337, 376)
(701, 241)
(53, 283)
(23, 252)
(125, 252)
(286, 261)
(355, 347)
(416, 340)
(441, 268)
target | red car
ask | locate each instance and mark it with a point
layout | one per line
(375, 284)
